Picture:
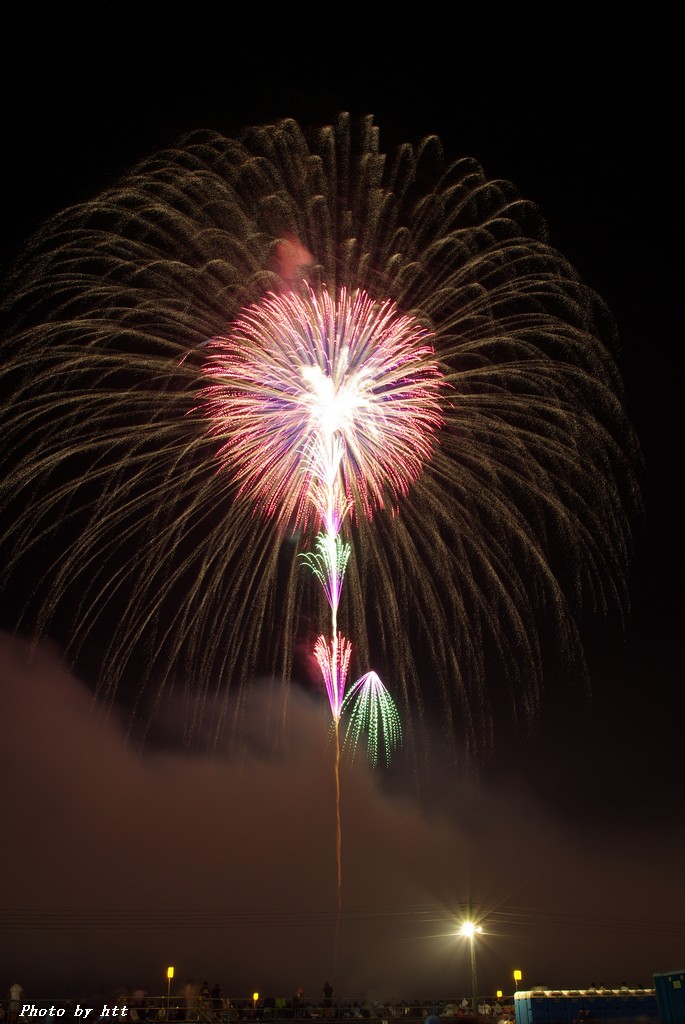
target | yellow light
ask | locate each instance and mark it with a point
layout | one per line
(517, 975)
(499, 993)
(255, 996)
(469, 929)
(169, 972)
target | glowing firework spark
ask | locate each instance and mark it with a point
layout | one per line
(373, 713)
(334, 660)
(328, 563)
(518, 522)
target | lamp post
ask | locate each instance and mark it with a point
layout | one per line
(517, 977)
(169, 976)
(469, 930)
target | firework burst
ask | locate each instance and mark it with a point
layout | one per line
(305, 389)
(466, 552)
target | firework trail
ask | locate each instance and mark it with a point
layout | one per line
(330, 408)
(512, 526)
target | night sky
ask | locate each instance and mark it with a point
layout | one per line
(570, 843)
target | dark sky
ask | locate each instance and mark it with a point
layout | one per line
(571, 843)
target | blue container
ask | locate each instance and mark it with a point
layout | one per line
(670, 996)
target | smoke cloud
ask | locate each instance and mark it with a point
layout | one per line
(224, 865)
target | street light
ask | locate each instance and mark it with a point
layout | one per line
(169, 976)
(517, 977)
(469, 930)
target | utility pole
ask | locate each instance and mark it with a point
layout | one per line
(474, 976)
(470, 929)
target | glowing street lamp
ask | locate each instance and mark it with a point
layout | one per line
(255, 997)
(517, 977)
(169, 976)
(469, 930)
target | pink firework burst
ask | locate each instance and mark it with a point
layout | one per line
(334, 660)
(306, 389)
